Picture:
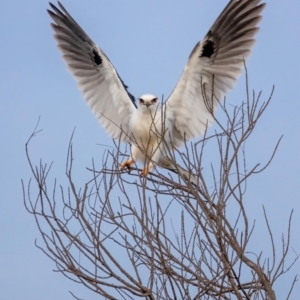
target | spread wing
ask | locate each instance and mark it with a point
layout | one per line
(102, 88)
(212, 69)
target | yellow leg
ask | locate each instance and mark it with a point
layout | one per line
(127, 164)
(146, 170)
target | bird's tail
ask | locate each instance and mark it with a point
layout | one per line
(186, 175)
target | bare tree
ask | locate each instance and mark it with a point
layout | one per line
(166, 236)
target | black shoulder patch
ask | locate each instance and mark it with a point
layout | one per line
(97, 58)
(126, 89)
(208, 49)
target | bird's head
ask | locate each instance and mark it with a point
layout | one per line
(148, 102)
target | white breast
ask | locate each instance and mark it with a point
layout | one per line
(144, 134)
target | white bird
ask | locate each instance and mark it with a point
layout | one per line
(211, 71)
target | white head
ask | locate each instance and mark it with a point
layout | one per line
(148, 102)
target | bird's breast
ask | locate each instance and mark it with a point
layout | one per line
(144, 131)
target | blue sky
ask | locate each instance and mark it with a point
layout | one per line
(149, 43)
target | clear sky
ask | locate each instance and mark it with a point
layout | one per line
(149, 43)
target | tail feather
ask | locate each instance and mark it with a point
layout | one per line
(186, 175)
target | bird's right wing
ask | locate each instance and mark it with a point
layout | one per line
(102, 88)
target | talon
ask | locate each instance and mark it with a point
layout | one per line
(126, 164)
(145, 172)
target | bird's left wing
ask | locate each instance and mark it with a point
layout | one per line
(102, 88)
(212, 69)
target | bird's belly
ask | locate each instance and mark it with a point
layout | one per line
(145, 140)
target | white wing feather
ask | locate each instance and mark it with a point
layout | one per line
(212, 69)
(99, 82)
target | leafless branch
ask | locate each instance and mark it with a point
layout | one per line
(166, 236)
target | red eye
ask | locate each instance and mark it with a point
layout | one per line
(154, 100)
(141, 100)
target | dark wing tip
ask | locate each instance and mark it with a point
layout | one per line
(54, 8)
(64, 23)
(237, 22)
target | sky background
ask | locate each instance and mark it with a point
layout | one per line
(149, 43)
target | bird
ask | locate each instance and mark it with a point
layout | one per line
(151, 128)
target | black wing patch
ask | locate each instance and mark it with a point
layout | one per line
(211, 45)
(208, 49)
(64, 17)
(97, 57)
